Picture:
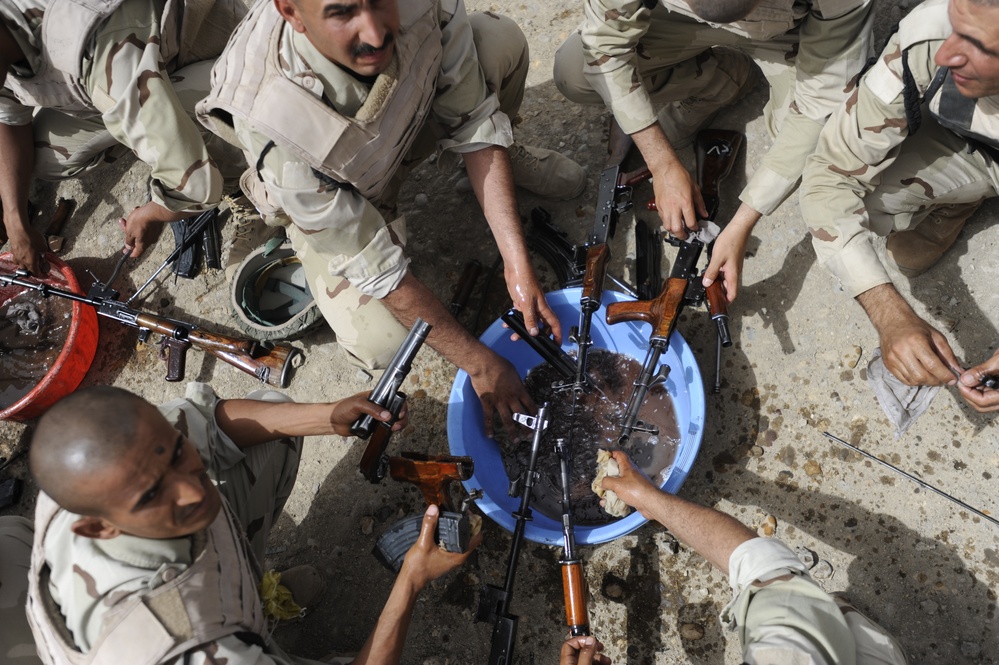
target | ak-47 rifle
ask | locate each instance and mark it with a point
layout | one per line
(716, 155)
(386, 394)
(574, 589)
(271, 363)
(494, 603)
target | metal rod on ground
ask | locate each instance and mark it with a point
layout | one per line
(913, 478)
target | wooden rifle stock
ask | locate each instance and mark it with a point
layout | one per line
(715, 151)
(270, 365)
(596, 269)
(432, 474)
(660, 313)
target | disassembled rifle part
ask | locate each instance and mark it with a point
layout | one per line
(494, 602)
(988, 381)
(574, 588)
(193, 233)
(271, 363)
(918, 481)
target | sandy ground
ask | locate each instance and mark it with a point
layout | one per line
(917, 563)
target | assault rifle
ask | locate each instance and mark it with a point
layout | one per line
(716, 156)
(494, 603)
(271, 363)
(574, 589)
(386, 394)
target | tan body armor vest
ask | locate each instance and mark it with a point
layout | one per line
(215, 597)
(977, 120)
(365, 150)
(67, 33)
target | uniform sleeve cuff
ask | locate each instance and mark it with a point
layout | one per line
(858, 268)
(767, 190)
(758, 559)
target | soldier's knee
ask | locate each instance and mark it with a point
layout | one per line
(568, 72)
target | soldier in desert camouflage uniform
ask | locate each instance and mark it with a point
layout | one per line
(695, 56)
(376, 87)
(911, 156)
(103, 83)
(151, 523)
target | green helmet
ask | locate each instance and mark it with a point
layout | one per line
(270, 294)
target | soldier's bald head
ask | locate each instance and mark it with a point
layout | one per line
(81, 437)
(722, 11)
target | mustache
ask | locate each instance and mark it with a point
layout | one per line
(362, 49)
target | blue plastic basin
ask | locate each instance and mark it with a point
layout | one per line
(466, 435)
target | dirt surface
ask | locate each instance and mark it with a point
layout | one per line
(916, 563)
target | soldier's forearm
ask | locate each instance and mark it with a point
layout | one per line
(885, 307)
(491, 177)
(17, 162)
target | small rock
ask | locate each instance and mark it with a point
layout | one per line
(363, 376)
(823, 570)
(463, 185)
(471, 579)
(311, 542)
(769, 527)
(315, 488)
(806, 556)
(813, 468)
(367, 525)
(924, 545)
(970, 649)
(420, 394)
(692, 631)
(929, 606)
(421, 199)
(756, 451)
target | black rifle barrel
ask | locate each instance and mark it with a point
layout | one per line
(390, 382)
(918, 481)
(546, 347)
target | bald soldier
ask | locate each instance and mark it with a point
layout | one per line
(910, 157)
(84, 82)
(666, 67)
(151, 522)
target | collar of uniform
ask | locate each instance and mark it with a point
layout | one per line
(149, 553)
(313, 71)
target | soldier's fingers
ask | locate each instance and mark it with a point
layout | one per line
(530, 319)
(429, 527)
(551, 319)
(487, 414)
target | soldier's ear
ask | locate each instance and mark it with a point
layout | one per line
(96, 528)
(289, 12)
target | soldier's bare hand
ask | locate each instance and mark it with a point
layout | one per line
(529, 299)
(426, 561)
(583, 651)
(918, 354)
(144, 225)
(678, 199)
(981, 398)
(726, 262)
(349, 409)
(28, 247)
(500, 390)
(632, 486)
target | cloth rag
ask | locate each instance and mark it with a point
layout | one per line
(901, 403)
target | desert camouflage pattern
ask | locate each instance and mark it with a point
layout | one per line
(93, 580)
(135, 89)
(871, 176)
(783, 616)
(358, 148)
(634, 60)
(16, 645)
(352, 246)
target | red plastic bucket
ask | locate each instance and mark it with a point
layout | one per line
(77, 353)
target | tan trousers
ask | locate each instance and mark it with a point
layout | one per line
(66, 146)
(678, 62)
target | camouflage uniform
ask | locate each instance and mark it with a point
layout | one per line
(16, 645)
(792, 620)
(87, 580)
(140, 100)
(632, 58)
(352, 245)
(873, 174)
